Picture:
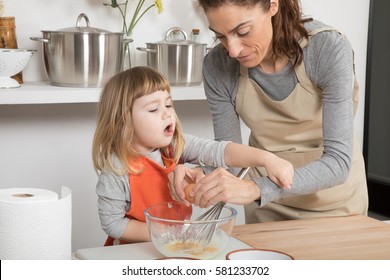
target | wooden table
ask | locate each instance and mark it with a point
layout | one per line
(332, 238)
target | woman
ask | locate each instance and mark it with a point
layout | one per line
(291, 80)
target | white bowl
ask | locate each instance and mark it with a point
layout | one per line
(177, 236)
(257, 254)
(12, 61)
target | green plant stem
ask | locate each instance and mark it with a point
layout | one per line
(124, 27)
(133, 23)
(133, 20)
(128, 29)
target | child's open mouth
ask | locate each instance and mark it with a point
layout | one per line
(169, 129)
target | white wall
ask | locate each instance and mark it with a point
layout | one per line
(49, 145)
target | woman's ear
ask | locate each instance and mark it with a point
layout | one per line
(274, 7)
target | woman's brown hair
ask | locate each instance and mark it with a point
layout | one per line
(287, 24)
(114, 130)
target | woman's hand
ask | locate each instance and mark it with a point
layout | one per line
(180, 178)
(220, 185)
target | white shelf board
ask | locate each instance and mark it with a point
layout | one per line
(44, 93)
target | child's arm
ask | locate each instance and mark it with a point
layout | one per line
(280, 171)
(113, 202)
(207, 152)
(136, 231)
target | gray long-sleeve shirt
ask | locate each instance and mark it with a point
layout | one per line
(328, 60)
(114, 191)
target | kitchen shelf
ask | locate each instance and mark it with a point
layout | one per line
(44, 93)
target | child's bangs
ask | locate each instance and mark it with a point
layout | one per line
(154, 83)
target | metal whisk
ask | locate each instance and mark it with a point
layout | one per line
(203, 232)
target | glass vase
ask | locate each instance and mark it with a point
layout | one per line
(129, 53)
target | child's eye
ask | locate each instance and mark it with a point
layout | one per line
(153, 110)
(169, 106)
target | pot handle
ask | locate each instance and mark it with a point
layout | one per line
(82, 15)
(42, 40)
(172, 30)
(146, 50)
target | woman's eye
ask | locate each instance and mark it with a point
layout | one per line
(243, 32)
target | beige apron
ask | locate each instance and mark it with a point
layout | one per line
(292, 129)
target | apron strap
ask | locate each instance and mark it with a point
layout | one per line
(304, 41)
(300, 70)
(305, 81)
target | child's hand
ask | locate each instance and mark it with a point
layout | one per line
(280, 171)
(180, 178)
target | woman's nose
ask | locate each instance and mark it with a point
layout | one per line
(234, 47)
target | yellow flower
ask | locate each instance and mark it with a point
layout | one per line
(159, 6)
(137, 15)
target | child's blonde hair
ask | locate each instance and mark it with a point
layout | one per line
(114, 131)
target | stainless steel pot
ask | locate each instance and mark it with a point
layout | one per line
(179, 59)
(82, 56)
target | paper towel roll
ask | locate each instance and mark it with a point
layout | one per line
(35, 224)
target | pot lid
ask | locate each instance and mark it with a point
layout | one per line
(83, 29)
(177, 36)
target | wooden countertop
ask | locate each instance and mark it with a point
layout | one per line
(331, 238)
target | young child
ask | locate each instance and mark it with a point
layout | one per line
(139, 140)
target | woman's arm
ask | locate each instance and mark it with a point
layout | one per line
(220, 79)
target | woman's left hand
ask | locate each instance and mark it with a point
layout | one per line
(221, 185)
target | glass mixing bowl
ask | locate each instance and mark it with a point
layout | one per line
(176, 235)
